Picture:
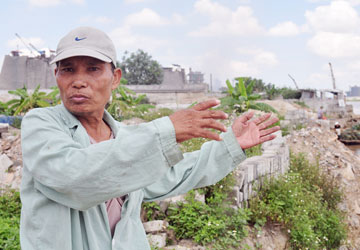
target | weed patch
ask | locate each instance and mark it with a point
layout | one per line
(304, 201)
(10, 207)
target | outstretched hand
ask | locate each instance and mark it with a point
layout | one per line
(250, 133)
(196, 121)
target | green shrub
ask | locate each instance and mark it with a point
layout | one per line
(10, 207)
(288, 93)
(305, 202)
(210, 223)
(152, 211)
(285, 131)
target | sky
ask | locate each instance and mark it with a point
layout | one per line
(262, 39)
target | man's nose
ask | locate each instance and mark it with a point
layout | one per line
(79, 82)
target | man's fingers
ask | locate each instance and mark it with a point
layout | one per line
(269, 131)
(206, 105)
(268, 123)
(267, 138)
(210, 123)
(262, 118)
(210, 135)
(245, 117)
(214, 114)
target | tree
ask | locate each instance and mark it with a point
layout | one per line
(140, 69)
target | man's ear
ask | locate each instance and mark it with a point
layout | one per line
(117, 77)
(55, 71)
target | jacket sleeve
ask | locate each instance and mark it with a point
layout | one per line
(201, 168)
(80, 177)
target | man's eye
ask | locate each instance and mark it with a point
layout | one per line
(68, 69)
(93, 68)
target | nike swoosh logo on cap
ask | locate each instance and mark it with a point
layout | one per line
(79, 39)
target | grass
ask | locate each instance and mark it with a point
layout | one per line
(10, 207)
(301, 104)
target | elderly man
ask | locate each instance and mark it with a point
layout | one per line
(85, 175)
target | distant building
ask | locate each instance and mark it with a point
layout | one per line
(174, 81)
(332, 100)
(354, 91)
(19, 71)
(195, 77)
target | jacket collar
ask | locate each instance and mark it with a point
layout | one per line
(71, 121)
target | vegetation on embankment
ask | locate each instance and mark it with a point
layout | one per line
(303, 201)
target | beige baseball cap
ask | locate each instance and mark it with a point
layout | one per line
(86, 41)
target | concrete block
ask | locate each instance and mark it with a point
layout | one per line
(233, 196)
(263, 167)
(239, 177)
(5, 164)
(157, 240)
(4, 127)
(181, 198)
(245, 192)
(250, 189)
(155, 226)
(241, 197)
(250, 172)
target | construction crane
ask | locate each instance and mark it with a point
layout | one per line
(293, 81)
(332, 76)
(38, 51)
(31, 48)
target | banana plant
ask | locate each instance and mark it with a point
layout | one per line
(54, 96)
(241, 97)
(26, 101)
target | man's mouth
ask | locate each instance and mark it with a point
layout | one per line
(78, 98)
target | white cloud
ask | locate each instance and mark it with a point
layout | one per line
(135, 1)
(77, 1)
(352, 2)
(224, 21)
(258, 56)
(103, 19)
(17, 43)
(49, 3)
(285, 29)
(44, 3)
(241, 68)
(146, 17)
(266, 58)
(335, 45)
(177, 19)
(339, 16)
(125, 39)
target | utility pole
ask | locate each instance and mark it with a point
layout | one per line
(332, 76)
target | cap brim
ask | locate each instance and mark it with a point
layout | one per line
(80, 52)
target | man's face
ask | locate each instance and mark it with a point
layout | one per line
(85, 84)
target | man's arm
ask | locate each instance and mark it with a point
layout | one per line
(81, 176)
(215, 159)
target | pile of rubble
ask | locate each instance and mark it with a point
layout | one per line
(10, 159)
(320, 144)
